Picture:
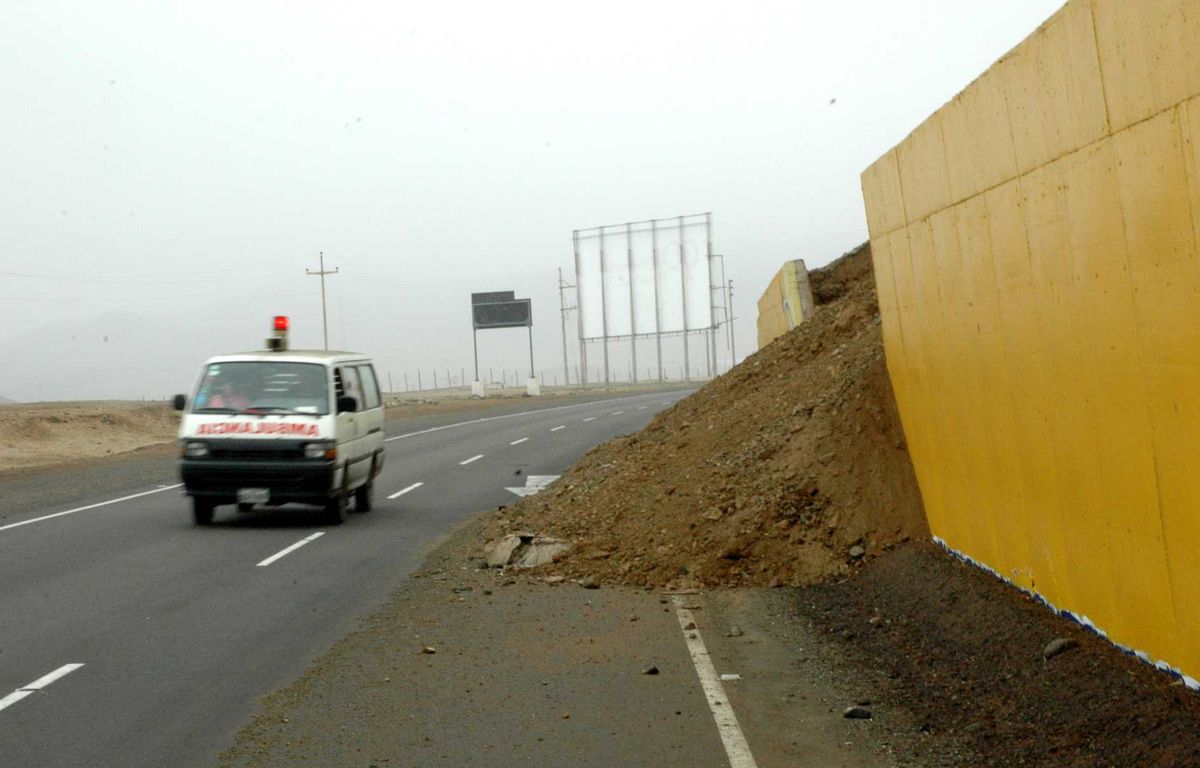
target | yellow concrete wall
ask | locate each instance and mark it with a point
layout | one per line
(1036, 253)
(785, 303)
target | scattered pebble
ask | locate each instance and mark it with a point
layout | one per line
(429, 649)
(734, 631)
(1057, 646)
(856, 713)
(650, 670)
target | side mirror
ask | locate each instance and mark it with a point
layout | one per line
(347, 404)
(180, 402)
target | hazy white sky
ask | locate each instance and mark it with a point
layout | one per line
(170, 171)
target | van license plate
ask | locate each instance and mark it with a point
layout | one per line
(254, 495)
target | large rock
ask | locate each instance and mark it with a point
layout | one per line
(499, 552)
(523, 550)
(540, 551)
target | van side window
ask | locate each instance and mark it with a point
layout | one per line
(350, 384)
(370, 386)
(339, 388)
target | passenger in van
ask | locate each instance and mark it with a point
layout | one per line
(229, 396)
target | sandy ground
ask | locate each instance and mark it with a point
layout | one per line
(38, 435)
(45, 434)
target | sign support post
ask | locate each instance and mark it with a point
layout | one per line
(501, 309)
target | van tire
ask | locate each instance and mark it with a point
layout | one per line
(202, 511)
(335, 509)
(363, 497)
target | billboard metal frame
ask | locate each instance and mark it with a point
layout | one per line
(604, 234)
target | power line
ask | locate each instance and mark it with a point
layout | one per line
(148, 279)
(119, 299)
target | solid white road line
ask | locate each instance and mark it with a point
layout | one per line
(590, 418)
(535, 412)
(560, 426)
(38, 684)
(90, 506)
(732, 737)
(403, 491)
(291, 549)
(519, 441)
(465, 462)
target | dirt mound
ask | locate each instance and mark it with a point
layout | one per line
(770, 474)
(52, 433)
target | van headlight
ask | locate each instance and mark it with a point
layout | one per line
(195, 450)
(320, 451)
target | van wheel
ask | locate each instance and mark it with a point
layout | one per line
(363, 496)
(202, 511)
(335, 509)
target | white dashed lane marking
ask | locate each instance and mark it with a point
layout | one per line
(465, 462)
(590, 418)
(403, 491)
(560, 426)
(288, 550)
(519, 441)
(37, 685)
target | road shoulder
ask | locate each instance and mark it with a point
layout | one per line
(465, 664)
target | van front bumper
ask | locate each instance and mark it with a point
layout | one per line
(292, 479)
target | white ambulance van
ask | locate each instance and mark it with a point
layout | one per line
(280, 426)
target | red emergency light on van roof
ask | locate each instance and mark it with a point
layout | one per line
(278, 342)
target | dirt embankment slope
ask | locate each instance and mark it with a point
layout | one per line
(770, 474)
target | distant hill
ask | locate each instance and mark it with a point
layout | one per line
(5, 401)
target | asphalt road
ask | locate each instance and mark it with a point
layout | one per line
(178, 629)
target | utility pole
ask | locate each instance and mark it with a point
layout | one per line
(322, 272)
(732, 335)
(563, 309)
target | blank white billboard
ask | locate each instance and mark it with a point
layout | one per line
(644, 278)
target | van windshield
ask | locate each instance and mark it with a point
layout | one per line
(263, 387)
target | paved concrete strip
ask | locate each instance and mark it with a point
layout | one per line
(403, 491)
(732, 737)
(38, 684)
(89, 506)
(288, 550)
